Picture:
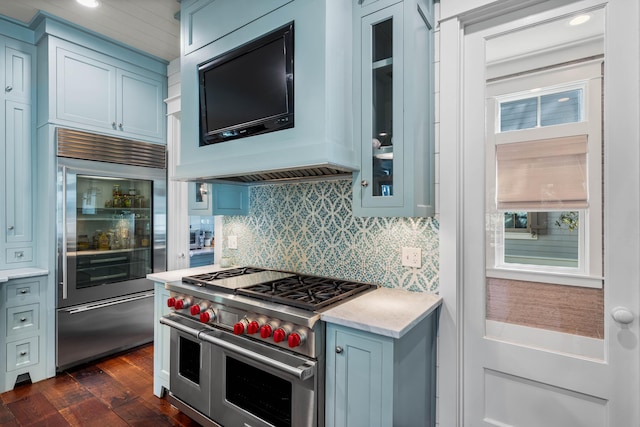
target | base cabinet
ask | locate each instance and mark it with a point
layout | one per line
(378, 381)
(22, 314)
(161, 341)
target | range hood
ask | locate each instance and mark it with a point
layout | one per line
(322, 144)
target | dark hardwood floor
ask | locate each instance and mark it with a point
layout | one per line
(117, 391)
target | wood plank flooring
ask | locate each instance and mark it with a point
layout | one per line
(112, 392)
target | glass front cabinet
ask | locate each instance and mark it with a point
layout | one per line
(394, 101)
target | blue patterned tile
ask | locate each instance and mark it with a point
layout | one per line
(310, 228)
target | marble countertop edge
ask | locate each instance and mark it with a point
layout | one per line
(385, 311)
(21, 273)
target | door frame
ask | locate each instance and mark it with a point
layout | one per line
(620, 124)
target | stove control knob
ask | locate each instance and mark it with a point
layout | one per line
(183, 303)
(265, 331)
(198, 308)
(279, 335)
(240, 327)
(171, 302)
(208, 316)
(253, 327)
(296, 339)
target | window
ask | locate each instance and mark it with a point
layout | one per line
(544, 194)
(542, 110)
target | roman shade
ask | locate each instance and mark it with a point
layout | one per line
(542, 174)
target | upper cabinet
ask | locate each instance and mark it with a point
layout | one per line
(218, 199)
(394, 108)
(321, 139)
(96, 91)
(17, 191)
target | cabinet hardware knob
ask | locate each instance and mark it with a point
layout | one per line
(11, 227)
(23, 353)
(120, 126)
(23, 319)
(113, 124)
(19, 254)
(339, 349)
(8, 88)
(23, 291)
(364, 183)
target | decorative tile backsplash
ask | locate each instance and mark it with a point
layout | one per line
(310, 228)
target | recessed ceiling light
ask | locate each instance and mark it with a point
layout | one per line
(89, 3)
(580, 19)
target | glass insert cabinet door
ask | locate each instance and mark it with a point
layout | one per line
(113, 224)
(382, 102)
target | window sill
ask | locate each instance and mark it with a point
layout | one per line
(567, 279)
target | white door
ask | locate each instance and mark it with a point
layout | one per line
(541, 346)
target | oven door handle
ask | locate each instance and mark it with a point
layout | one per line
(303, 372)
(166, 320)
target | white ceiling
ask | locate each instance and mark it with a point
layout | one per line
(147, 25)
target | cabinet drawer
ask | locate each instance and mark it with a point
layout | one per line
(18, 255)
(22, 293)
(22, 353)
(22, 319)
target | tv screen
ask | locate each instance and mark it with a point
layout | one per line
(249, 90)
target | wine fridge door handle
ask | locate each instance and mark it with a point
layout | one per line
(63, 252)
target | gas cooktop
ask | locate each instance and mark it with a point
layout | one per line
(307, 292)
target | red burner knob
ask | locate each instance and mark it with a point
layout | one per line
(240, 327)
(171, 302)
(253, 327)
(179, 305)
(279, 335)
(294, 340)
(198, 308)
(265, 331)
(207, 316)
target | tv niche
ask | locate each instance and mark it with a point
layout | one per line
(248, 90)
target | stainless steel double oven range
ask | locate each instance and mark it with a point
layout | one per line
(247, 346)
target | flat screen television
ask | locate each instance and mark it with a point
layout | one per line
(248, 90)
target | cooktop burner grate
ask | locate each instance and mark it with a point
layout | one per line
(206, 278)
(306, 292)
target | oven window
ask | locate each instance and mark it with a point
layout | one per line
(189, 360)
(258, 392)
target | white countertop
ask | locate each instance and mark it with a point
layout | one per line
(385, 311)
(19, 273)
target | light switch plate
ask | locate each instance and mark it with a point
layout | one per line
(233, 242)
(412, 257)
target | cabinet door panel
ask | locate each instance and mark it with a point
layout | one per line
(85, 90)
(19, 184)
(139, 105)
(17, 74)
(363, 378)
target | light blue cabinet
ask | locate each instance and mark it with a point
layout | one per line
(22, 327)
(196, 17)
(17, 190)
(379, 381)
(218, 199)
(161, 340)
(394, 108)
(322, 136)
(93, 94)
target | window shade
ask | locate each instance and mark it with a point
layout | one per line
(544, 174)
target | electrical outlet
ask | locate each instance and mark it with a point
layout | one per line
(412, 257)
(233, 242)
